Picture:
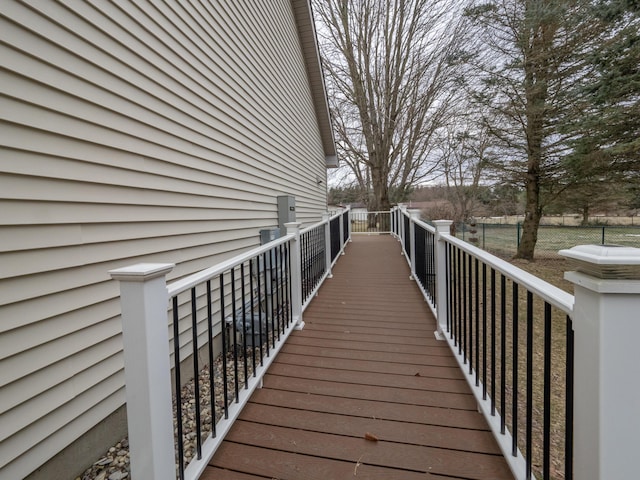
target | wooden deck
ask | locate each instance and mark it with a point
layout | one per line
(366, 365)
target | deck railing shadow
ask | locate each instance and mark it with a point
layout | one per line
(549, 370)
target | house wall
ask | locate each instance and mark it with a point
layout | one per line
(159, 132)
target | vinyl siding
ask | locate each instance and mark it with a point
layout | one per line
(131, 132)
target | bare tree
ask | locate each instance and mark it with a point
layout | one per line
(390, 70)
(465, 156)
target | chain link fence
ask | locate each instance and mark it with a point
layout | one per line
(503, 240)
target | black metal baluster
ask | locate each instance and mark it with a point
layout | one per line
(464, 308)
(568, 433)
(514, 397)
(287, 281)
(529, 427)
(308, 274)
(281, 290)
(503, 352)
(313, 258)
(223, 326)
(448, 285)
(313, 261)
(456, 294)
(304, 260)
(493, 342)
(311, 274)
(459, 287)
(320, 260)
(234, 316)
(196, 373)
(432, 250)
(484, 331)
(546, 442)
(178, 387)
(259, 305)
(477, 297)
(243, 293)
(267, 297)
(212, 389)
(470, 309)
(252, 299)
(311, 281)
(278, 282)
(273, 293)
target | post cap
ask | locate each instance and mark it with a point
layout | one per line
(141, 272)
(292, 227)
(442, 226)
(605, 261)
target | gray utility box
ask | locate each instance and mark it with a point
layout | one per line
(250, 329)
(286, 211)
(269, 235)
(272, 258)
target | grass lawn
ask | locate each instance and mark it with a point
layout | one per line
(501, 240)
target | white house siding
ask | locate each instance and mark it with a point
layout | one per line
(130, 132)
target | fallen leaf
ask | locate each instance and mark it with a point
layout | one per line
(371, 437)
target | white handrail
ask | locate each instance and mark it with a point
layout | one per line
(202, 276)
(550, 293)
(316, 225)
(426, 226)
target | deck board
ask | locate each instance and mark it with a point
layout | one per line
(366, 362)
(314, 358)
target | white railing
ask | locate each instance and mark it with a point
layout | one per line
(370, 222)
(245, 307)
(320, 246)
(484, 320)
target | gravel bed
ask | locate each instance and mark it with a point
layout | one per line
(114, 464)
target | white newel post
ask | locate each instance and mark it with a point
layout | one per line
(401, 227)
(341, 233)
(606, 323)
(443, 228)
(392, 213)
(293, 228)
(414, 215)
(327, 243)
(144, 301)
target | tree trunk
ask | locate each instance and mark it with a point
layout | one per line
(537, 73)
(533, 211)
(380, 200)
(530, 226)
(585, 216)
